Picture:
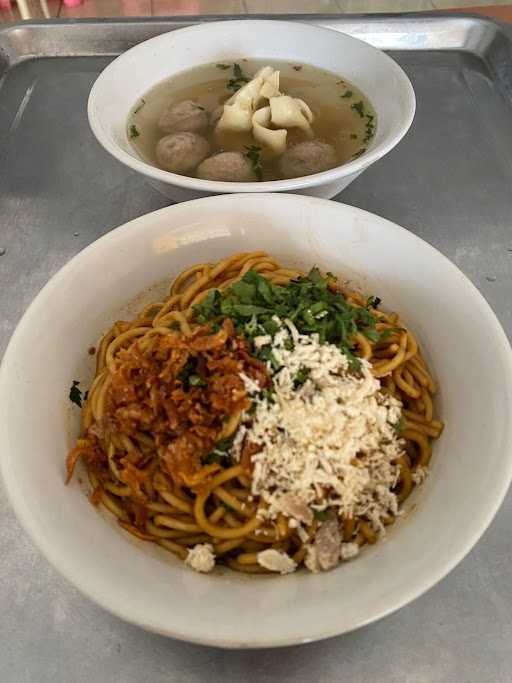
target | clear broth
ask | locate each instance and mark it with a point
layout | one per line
(344, 117)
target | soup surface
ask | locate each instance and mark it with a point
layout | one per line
(341, 126)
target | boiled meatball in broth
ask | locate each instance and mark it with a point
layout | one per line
(307, 158)
(184, 117)
(181, 152)
(231, 167)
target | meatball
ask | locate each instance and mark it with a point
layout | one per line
(181, 152)
(306, 158)
(231, 167)
(185, 117)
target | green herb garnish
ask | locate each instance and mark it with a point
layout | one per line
(239, 74)
(224, 67)
(320, 515)
(75, 395)
(346, 94)
(359, 152)
(358, 107)
(388, 331)
(189, 377)
(220, 451)
(188, 369)
(400, 426)
(373, 302)
(134, 132)
(301, 377)
(210, 458)
(267, 395)
(175, 326)
(197, 381)
(370, 128)
(253, 154)
(239, 78)
(310, 302)
(224, 444)
(369, 125)
(139, 107)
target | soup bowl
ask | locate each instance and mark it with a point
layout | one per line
(471, 465)
(131, 75)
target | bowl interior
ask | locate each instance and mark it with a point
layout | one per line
(471, 466)
(132, 74)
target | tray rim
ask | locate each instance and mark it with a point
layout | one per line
(489, 28)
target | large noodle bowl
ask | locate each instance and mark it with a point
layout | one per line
(258, 417)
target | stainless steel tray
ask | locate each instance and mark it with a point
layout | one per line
(449, 181)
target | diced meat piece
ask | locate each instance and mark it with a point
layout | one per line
(201, 558)
(324, 553)
(292, 506)
(349, 550)
(311, 560)
(276, 561)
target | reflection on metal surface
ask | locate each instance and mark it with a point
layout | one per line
(107, 37)
(21, 109)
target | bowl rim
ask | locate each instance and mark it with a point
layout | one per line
(313, 180)
(86, 584)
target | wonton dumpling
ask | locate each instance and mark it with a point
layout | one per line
(238, 110)
(252, 89)
(290, 112)
(265, 72)
(275, 140)
(236, 117)
(270, 87)
(247, 95)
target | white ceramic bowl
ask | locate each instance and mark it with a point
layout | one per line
(132, 74)
(471, 466)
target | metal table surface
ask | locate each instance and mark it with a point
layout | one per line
(449, 181)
